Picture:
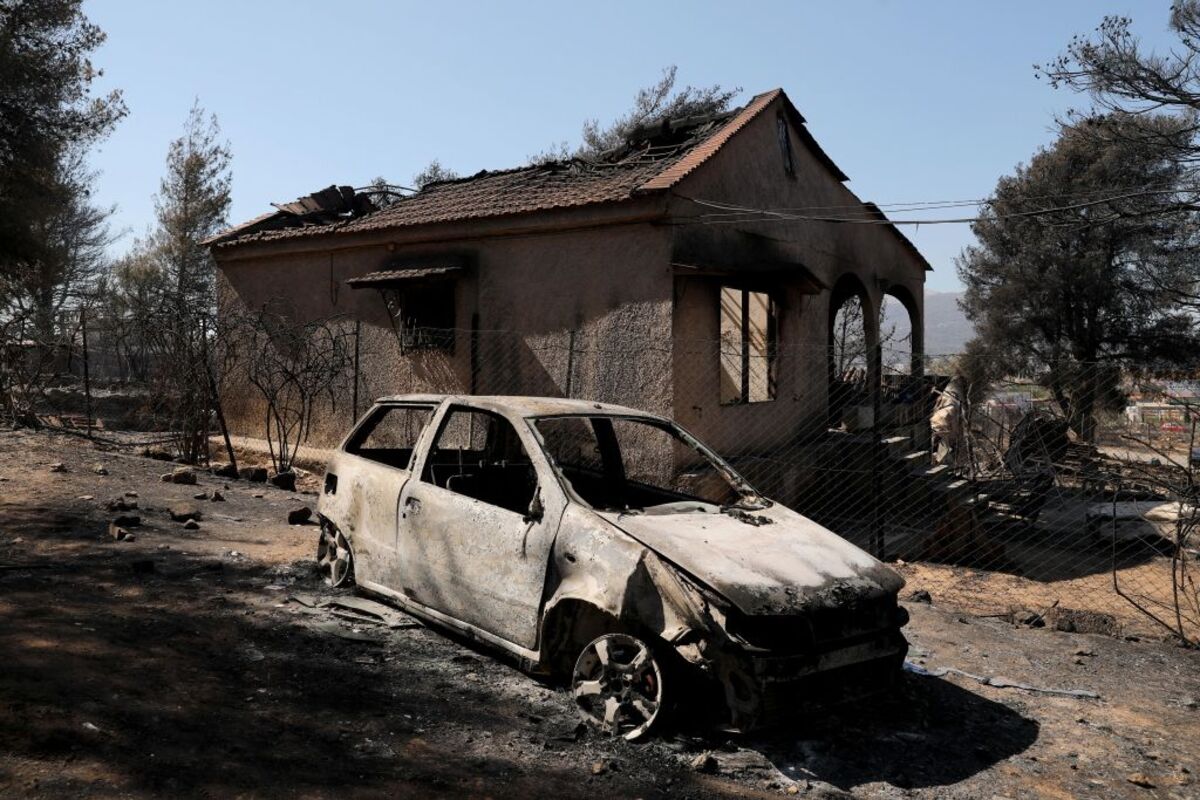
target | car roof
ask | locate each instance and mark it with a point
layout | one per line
(522, 406)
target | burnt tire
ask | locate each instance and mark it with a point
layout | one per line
(621, 685)
(335, 559)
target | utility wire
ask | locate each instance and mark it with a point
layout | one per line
(921, 205)
(733, 214)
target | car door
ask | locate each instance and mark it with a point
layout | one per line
(469, 546)
(379, 455)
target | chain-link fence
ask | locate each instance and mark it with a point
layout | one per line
(1062, 496)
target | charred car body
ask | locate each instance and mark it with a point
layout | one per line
(607, 546)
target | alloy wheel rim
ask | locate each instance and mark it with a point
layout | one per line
(617, 685)
(333, 556)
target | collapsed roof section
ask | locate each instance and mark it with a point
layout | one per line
(329, 206)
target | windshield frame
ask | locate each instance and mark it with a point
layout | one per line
(750, 498)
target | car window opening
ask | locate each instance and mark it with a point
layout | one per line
(639, 465)
(478, 454)
(390, 435)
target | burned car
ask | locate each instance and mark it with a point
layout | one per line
(610, 548)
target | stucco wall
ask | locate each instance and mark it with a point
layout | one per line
(749, 171)
(611, 286)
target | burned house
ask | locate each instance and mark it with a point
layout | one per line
(694, 272)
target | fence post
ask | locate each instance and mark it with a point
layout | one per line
(87, 381)
(570, 362)
(876, 389)
(474, 354)
(354, 393)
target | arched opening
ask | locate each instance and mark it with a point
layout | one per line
(900, 333)
(852, 337)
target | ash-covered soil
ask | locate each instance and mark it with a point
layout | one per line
(176, 665)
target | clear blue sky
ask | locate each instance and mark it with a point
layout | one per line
(913, 100)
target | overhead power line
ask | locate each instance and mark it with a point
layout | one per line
(922, 205)
(864, 215)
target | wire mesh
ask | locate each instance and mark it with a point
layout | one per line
(1066, 496)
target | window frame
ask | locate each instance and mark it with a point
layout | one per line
(401, 297)
(744, 356)
(369, 422)
(783, 132)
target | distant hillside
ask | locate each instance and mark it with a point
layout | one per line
(946, 327)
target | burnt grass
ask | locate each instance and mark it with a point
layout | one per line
(177, 666)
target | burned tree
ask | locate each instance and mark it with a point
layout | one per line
(294, 366)
(162, 295)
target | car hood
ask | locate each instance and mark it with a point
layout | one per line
(769, 561)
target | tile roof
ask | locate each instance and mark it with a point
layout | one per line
(659, 161)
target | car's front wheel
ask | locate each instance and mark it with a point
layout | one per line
(618, 685)
(335, 560)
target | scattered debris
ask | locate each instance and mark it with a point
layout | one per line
(127, 521)
(999, 683)
(216, 497)
(299, 516)
(200, 496)
(100, 469)
(359, 609)
(337, 630)
(920, 596)
(1140, 779)
(183, 475)
(191, 525)
(121, 504)
(182, 512)
(750, 519)
(157, 454)
(58, 466)
(253, 474)
(117, 532)
(1073, 620)
(706, 763)
(225, 471)
(284, 480)
(372, 612)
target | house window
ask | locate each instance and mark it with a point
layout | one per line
(785, 144)
(748, 344)
(423, 315)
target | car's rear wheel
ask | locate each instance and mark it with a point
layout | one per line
(335, 560)
(618, 685)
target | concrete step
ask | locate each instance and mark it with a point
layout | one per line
(955, 487)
